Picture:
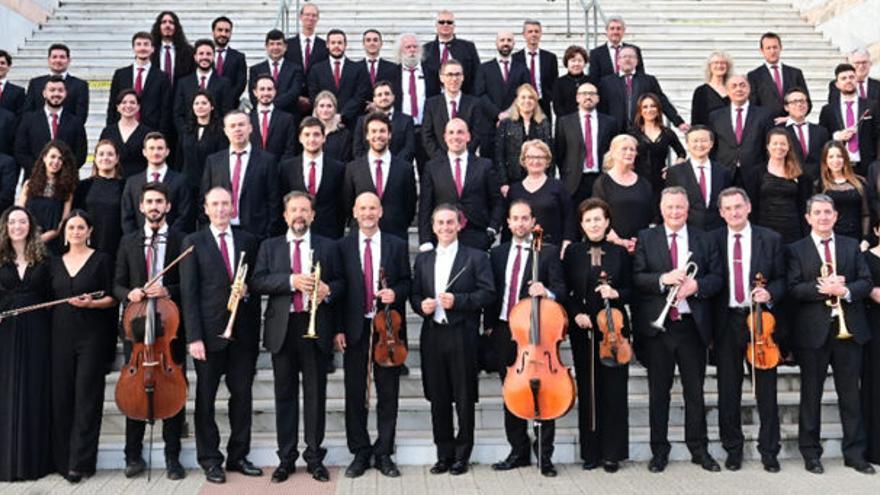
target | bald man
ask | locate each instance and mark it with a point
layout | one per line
(740, 129)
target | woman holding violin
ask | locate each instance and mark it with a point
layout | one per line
(599, 280)
(79, 346)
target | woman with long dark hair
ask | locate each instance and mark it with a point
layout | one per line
(848, 190)
(202, 136)
(128, 134)
(654, 141)
(48, 193)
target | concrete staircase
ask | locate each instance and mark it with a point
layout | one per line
(676, 36)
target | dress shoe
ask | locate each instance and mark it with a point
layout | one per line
(658, 463)
(458, 467)
(548, 470)
(512, 461)
(358, 466)
(282, 472)
(441, 466)
(733, 462)
(244, 467)
(215, 474)
(814, 466)
(135, 467)
(73, 476)
(771, 464)
(863, 467)
(707, 463)
(589, 465)
(386, 466)
(319, 472)
(611, 466)
(173, 470)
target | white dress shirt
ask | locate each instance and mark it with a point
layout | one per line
(707, 171)
(508, 273)
(376, 250)
(594, 136)
(448, 100)
(48, 111)
(302, 46)
(745, 241)
(681, 242)
(464, 164)
(820, 247)
(528, 53)
(444, 258)
(319, 170)
(333, 61)
(245, 159)
(134, 72)
(305, 261)
(854, 156)
(386, 166)
(805, 129)
(406, 106)
(745, 114)
(161, 170)
(207, 75)
(166, 47)
(158, 262)
(230, 244)
(770, 71)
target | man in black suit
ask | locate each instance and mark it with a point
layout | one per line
(173, 54)
(77, 102)
(621, 92)
(772, 79)
(384, 173)
(367, 254)
(413, 85)
(148, 82)
(403, 139)
(143, 254)
(342, 77)
(496, 85)
(460, 178)
(376, 68)
(12, 96)
(285, 272)
(52, 121)
(867, 87)
(206, 278)
(446, 46)
(319, 176)
(603, 58)
(702, 178)
(204, 77)
(288, 76)
(843, 118)
(273, 129)
(660, 265)
(579, 153)
(8, 127)
(451, 104)
(745, 250)
(307, 48)
(451, 285)
(182, 214)
(740, 129)
(228, 62)
(542, 65)
(9, 173)
(512, 271)
(820, 340)
(809, 138)
(250, 174)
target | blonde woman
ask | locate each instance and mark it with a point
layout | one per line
(525, 121)
(713, 94)
(337, 139)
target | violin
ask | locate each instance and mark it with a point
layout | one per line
(389, 350)
(763, 353)
(615, 349)
(538, 386)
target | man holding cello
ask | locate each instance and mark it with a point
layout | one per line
(375, 267)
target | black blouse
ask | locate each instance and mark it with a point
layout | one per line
(551, 207)
(704, 102)
(652, 153)
(102, 199)
(338, 145)
(509, 137)
(632, 207)
(131, 152)
(192, 152)
(582, 277)
(565, 91)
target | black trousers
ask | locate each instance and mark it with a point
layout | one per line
(730, 348)
(300, 356)
(845, 357)
(237, 362)
(387, 382)
(585, 188)
(610, 440)
(679, 345)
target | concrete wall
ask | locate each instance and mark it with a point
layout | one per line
(849, 24)
(19, 19)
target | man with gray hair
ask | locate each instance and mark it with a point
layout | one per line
(446, 46)
(867, 87)
(603, 58)
(542, 65)
(413, 84)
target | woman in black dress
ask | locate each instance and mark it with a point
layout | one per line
(629, 196)
(871, 366)
(712, 95)
(550, 202)
(48, 193)
(848, 190)
(525, 122)
(79, 343)
(779, 190)
(583, 262)
(575, 60)
(654, 140)
(25, 421)
(201, 137)
(128, 134)
(337, 139)
(101, 197)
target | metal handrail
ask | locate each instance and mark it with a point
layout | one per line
(282, 19)
(588, 6)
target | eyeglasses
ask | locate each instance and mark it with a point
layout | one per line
(798, 101)
(588, 93)
(445, 22)
(454, 74)
(537, 157)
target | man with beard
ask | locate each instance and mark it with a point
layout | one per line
(285, 271)
(843, 118)
(147, 80)
(77, 102)
(413, 84)
(342, 77)
(202, 78)
(273, 129)
(403, 139)
(143, 254)
(173, 54)
(229, 62)
(287, 75)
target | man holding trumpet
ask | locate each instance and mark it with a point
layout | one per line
(676, 273)
(827, 280)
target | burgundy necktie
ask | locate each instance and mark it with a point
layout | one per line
(372, 72)
(532, 71)
(616, 56)
(139, 81)
(703, 186)
(506, 64)
(777, 78)
(802, 138)
(828, 258)
(337, 73)
(308, 58)
(155, 176)
(236, 181)
(264, 128)
(512, 296)
(313, 179)
(219, 65)
(296, 268)
(853, 144)
(739, 125)
(588, 144)
(413, 94)
(673, 253)
(54, 125)
(629, 87)
(169, 68)
(445, 55)
(458, 179)
(379, 189)
(224, 252)
(369, 287)
(149, 257)
(862, 89)
(202, 82)
(739, 291)
(275, 71)
(454, 109)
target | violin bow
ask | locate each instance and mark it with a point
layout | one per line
(177, 260)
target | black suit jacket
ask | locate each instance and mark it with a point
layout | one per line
(549, 68)
(601, 64)
(394, 261)
(235, 71)
(496, 95)
(403, 137)
(329, 214)
(33, 133)
(259, 203)
(873, 87)
(764, 93)
(462, 50)
(183, 206)
(282, 136)
(812, 316)
(751, 152)
(288, 87)
(353, 90)
(187, 86)
(398, 196)
(9, 172)
(13, 98)
(8, 126)
(131, 266)
(817, 136)
(833, 120)
(437, 116)
(699, 215)
(155, 98)
(205, 286)
(294, 53)
(570, 148)
(613, 101)
(184, 63)
(652, 260)
(385, 71)
(480, 199)
(550, 273)
(272, 278)
(429, 77)
(76, 102)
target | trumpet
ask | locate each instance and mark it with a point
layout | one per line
(833, 302)
(690, 269)
(313, 313)
(236, 294)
